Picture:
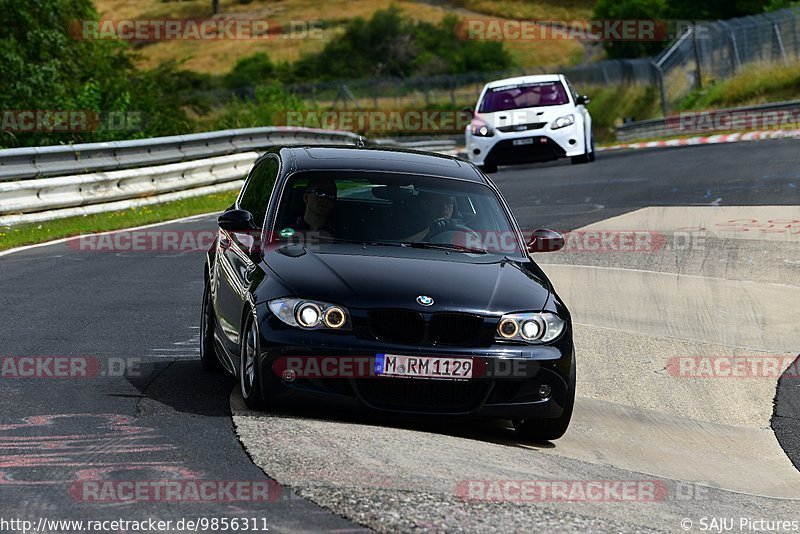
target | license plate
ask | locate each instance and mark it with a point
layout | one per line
(528, 141)
(423, 366)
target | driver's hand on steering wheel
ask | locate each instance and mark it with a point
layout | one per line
(443, 225)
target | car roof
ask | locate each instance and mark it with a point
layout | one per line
(344, 157)
(524, 79)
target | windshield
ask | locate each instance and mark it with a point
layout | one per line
(524, 96)
(394, 210)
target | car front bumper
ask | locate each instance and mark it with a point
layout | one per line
(540, 145)
(505, 384)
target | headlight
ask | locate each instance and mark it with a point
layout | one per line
(563, 122)
(481, 129)
(530, 327)
(307, 314)
(310, 314)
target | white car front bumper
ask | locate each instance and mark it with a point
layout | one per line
(531, 145)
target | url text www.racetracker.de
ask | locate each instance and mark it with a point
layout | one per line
(142, 526)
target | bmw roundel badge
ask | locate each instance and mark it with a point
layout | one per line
(424, 300)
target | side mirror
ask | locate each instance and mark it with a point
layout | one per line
(543, 240)
(235, 220)
(583, 99)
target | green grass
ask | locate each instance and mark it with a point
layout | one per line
(756, 85)
(28, 234)
(610, 105)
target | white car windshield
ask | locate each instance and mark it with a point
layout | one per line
(524, 96)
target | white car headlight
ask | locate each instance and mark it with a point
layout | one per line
(530, 327)
(480, 129)
(563, 122)
(310, 314)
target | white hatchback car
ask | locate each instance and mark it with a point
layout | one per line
(528, 119)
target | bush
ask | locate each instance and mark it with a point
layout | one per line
(392, 45)
(268, 107)
(252, 70)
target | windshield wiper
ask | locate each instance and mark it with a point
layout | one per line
(446, 246)
(414, 244)
(365, 242)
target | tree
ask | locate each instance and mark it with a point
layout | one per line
(674, 10)
(390, 44)
(48, 63)
(631, 9)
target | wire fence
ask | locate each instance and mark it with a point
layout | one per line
(705, 53)
(459, 89)
(714, 51)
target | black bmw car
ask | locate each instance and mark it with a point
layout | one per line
(386, 280)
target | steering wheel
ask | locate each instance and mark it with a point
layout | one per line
(445, 235)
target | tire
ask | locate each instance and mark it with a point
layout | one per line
(540, 430)
(250, 381)
(208, 353)
(488, 169)
(586, 157)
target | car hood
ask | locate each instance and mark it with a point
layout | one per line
(514, 117)
(369, 278)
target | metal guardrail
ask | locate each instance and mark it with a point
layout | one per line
(46, 183)
(682, 124)
(36, 162)
(443, 144)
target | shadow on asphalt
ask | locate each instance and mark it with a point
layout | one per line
(496, 431)
(786, 416)
(184, 386)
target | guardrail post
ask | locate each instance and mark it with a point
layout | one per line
(663, 92)
(697, 57)
(779, 39)
(736, 61)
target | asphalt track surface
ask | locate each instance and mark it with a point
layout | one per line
(165, 419)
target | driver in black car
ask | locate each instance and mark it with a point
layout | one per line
(319, 199)
(439, 209)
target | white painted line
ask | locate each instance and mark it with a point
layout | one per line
(65, 239)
